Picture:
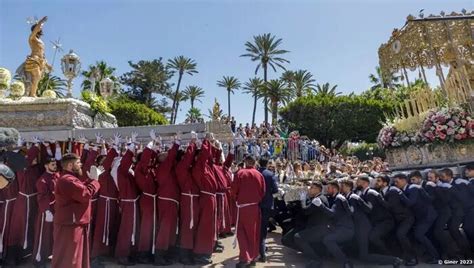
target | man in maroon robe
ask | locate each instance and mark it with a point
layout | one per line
(21, 234)
(168, 204)
(43, 244)
(72, 214)
(108, 215)
(145, 179)
(8, 197)
(248, 188)
(203, 176)
(189, 204)
(128, 193)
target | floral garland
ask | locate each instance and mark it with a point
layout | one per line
(444, 125)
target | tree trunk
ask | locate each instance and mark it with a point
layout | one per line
(274, 112)
(254, 108)
(175, 98)
(192, 104)
(265, 99)
(176, 112)
(228, 102)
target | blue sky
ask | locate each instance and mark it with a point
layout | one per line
(335, 40)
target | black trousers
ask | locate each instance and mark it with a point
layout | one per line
(379, 231)
(264, 229)
(362, 231)
(305, 238)
(403, 228)
(422, 226)
(335, 238)
(461, 241)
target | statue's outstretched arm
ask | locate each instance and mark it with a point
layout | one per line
(39, 25)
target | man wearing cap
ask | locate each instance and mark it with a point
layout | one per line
(418, 201)
(248, 188)
(379, 215)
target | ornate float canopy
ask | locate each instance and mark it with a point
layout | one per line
(429, 42)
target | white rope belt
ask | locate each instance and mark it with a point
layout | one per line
(134, 216)
(25, 242)
(93, 200)
(237, 221)
(222, 207)
(154, 219)
(38, 254)
(106, 231)
(5, 213)
(191, 222)
(169, 199)
(215, 214)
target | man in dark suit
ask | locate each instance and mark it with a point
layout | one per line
(418, 200)
(317, 225)
(459, 198)
(379, 215)
(404, 218)
(266, 205)
(469, 219)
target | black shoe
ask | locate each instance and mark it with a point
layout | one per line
(125, 262)
(252, 264)
(202, 260)
(262, 259)
(218, 248)
(241, 265)
(348, 264)
(144, 259)
(432, 261)
(97, 263)
(40, 264)
(411, 262)
(397, 263)
(161, 261)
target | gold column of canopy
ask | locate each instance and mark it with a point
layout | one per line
(435, 41)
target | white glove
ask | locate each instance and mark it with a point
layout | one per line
(131, 147)
(134, 136)
(86, 146)
(153, 134)
(317, 202)
(303, 196)
(36, 140)
(98, 137)
(95, 172)
(81, 139)
(219, 145)
(160, 140)
(356, 197)
(150, 145)
(430, 183)
(232, 147)
(194, 135)
(117, 139)
(48, 216)
(20, 142)
(57, 153)
(341, 197)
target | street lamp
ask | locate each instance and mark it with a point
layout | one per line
(106, 87)
(71, 66)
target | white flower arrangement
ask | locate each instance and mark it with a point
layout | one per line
(5, 78)
(49, 94)
(17, 89)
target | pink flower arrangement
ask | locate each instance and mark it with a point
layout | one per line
(444, 125)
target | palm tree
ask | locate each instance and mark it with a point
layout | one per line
(288, 77)
(278, 93)
(181, 97)
(101, 70)
(303, 82)
(194, 93)
(326, 90)
(52, 82)
(182, 65)
(194, 115)
(229, 83)
(254, 88)
(264, 49)
(385, 81)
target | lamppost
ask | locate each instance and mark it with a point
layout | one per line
(106, 87)
(71, 66)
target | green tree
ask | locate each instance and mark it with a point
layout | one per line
(52, 82)
(254, 88)
(334, 120)
(278, 93)
(102, 70)
(194, 115)
(181, 97)
(230, 83)
(265, 50)
(145, 79)
(303, 82)
(193, 93)
(326, 90)
(181, 65)
(132, 113)
(382, 80)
